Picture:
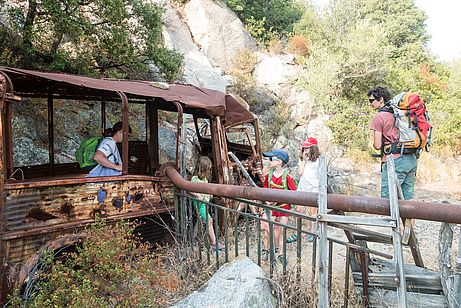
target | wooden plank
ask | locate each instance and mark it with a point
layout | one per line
(360, 231)
(374, 239)
(322, 247)
(388, 298)
(396, 238)
(455, 292)
(415, 283)
(358, 220)
(414, 247)
(381, 265)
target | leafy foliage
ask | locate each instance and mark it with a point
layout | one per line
(266, 19)
(243, 82)
(110, 268)
(446, 111)
(359, 44)
(116, 38)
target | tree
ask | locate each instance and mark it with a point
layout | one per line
(117, 38)
(356, 45)
(267, 18)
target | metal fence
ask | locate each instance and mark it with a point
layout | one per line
(240, 230)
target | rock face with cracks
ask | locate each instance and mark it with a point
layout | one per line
(240, 283)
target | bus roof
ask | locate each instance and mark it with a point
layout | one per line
(28, 83)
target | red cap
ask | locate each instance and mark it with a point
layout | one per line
(309, 142)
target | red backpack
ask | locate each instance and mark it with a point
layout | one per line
(412, 121)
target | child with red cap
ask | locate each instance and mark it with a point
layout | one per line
(308, 170)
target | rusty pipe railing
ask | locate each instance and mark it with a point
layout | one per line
(450, 213)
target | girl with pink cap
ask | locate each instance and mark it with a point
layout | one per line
(308, 170)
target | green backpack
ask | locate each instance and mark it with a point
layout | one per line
(85, 152)
(284, 180)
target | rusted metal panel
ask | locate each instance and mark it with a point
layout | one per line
(36, 213)
(46, 206)
(125, 131)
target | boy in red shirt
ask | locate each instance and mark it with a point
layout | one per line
(277, 178)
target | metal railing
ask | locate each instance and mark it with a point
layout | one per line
(241, 232)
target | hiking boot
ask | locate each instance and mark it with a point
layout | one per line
(265, 255)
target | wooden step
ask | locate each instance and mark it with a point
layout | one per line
(427, 284)
(388, 298)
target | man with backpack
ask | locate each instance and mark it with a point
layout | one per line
(386, 139)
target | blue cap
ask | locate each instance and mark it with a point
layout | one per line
(279, 153)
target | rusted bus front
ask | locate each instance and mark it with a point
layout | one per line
(45, 198)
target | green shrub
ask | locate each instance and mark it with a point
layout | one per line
(110, 268)
(243, 82)
(108, 38)
(267, 18)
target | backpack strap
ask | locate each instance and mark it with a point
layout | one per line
(269, 177)
(271, 184)
(97, 147)
(284, 179)
(386, 108)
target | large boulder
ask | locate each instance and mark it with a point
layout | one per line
(276, 72)
(240, 283)
(217, 31)
(197, 69)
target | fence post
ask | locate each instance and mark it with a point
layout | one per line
(396, 237)
(322, 252)
(457, 281)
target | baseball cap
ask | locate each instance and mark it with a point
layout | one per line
(309, 142)
(279, 153)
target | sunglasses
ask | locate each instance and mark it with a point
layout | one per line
(273, 158)
(371, 100)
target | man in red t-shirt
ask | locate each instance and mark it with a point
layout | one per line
(385, 134)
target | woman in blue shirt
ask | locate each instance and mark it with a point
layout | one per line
(107, 155)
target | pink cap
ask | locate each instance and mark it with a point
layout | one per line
(309, 142)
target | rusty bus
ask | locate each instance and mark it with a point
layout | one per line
(43, 202)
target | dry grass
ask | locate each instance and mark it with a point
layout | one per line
(275, 46)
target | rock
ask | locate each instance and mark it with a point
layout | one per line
(240, 283)
(275, 72)
(175, 32)
(199, 72)
(197, 68)
(217, 31)
(301, 105)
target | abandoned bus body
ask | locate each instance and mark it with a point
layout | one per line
(47, 204)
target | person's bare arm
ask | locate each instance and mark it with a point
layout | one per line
(300, 170)
(377, 140)
(101, 159)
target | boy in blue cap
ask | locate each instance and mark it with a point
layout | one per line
(277, 178)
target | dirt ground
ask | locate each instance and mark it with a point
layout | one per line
(438, 181)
